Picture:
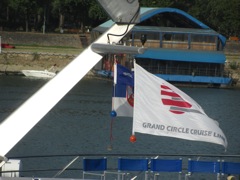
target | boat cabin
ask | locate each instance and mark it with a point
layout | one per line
(180, 49)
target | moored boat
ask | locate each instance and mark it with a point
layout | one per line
(38, 74)
(50, 73)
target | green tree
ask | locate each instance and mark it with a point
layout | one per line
(4, 13)
(199, 9)
(183, 4)
(79, 9)
(221, 15)
(228, 17)
(43, 16)
(74, 11)
(96, 14)
(156, 3)
(58, 8)
(24, 10)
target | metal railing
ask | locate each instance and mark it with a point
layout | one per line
(66, 164)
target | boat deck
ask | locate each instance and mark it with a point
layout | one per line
(74, 166)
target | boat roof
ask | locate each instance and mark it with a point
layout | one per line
(184, 55)
(184, 22)
(175, 15)
(175, 30)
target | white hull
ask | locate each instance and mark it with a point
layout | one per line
(38, 74)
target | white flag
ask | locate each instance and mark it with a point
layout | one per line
(162, 109)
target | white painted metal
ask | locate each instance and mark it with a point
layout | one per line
(38, 105)
(115, 49)
(122, 11)
(14, 165)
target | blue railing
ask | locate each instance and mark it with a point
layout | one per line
(65, 165)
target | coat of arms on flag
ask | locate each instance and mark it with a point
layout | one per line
(123, 91)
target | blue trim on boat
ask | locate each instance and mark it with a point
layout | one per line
(147, 13)
(184, 55)
(181, 78)
(104, 73)
(195, 79)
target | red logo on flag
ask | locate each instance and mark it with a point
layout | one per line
(174, 100)
(130, 95)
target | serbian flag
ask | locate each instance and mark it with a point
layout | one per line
(122, 99)
(162, 109)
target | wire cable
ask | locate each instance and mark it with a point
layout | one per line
(110, 34)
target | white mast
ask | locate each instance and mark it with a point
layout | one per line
(22, 120)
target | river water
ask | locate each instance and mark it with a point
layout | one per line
(80, 124)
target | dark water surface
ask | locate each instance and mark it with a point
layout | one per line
(80, 124)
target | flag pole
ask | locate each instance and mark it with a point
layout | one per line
(113, 112)
(133, 138)
(134, 63)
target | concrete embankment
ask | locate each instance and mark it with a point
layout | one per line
(48, 39)
(12, 61)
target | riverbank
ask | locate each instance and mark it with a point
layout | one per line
(36, 51)
(14, 61)
(39, 51)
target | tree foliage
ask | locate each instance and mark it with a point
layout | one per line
(221, 15)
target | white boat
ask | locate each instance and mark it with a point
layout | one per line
(40, 74)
